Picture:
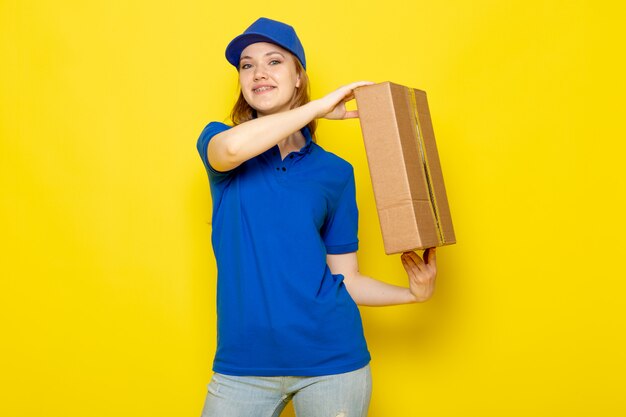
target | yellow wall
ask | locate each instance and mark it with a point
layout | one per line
(108, 279)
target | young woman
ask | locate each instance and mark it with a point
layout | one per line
(285, 240)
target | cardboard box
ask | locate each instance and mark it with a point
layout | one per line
(404, 167)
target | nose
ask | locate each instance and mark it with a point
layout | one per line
(259, 71)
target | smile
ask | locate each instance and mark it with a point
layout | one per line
(262, 90)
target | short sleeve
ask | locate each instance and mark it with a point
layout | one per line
(340, 230)
(208, 132)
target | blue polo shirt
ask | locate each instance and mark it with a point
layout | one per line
(280, 310)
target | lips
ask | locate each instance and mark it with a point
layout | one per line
(262, 89)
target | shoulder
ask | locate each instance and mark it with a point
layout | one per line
(334, 163)
(213, 128)
(210, 130)
(220, 125)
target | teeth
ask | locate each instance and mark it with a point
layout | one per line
(258, 90)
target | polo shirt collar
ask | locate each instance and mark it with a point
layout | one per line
(309, 140)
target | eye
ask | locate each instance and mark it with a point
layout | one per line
(274, 60)
(244, 66)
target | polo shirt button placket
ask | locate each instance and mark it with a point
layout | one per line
(285, 163)
(278, 160)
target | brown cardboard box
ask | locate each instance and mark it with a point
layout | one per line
(404, 167)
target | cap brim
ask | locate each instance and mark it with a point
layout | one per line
(241, 42)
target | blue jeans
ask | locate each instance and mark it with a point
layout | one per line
(340, 395)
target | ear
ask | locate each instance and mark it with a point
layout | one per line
(298, 82)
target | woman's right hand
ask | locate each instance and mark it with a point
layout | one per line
(333, 105)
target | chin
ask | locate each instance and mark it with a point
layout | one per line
(270, 110)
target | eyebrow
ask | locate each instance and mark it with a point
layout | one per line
(269, 53)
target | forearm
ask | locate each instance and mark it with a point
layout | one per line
(368, 291)
(247, 140)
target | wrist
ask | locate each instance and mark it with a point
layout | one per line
(316, 108)
(411, 298)
(420, 298)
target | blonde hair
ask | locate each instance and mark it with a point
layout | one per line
(242, 112)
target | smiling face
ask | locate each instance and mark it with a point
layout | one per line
(268, 77)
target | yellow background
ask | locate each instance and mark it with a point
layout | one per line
(107, 273)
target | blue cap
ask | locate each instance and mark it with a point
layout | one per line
(266, 30)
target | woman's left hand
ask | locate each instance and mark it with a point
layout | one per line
(422, 273)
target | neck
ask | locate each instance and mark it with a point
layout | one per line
(293, 142)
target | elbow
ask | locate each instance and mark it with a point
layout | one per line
(230, 150)
(233, 154)
(223, 154)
